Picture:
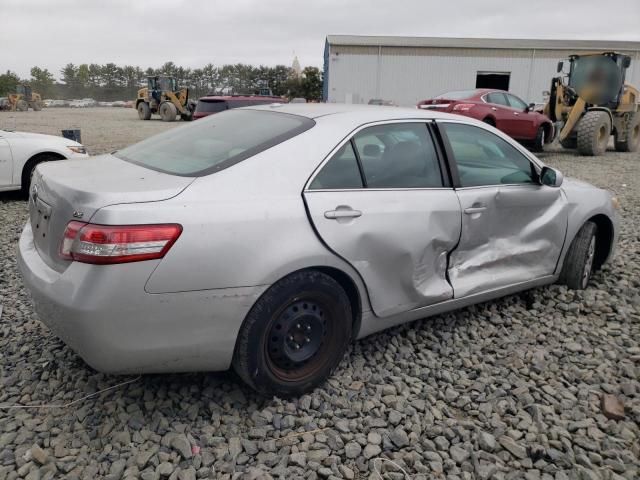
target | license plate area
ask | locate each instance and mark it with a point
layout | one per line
(40, 217)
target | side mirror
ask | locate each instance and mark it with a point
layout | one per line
(626, 62)
(530, 108)
(560, 66)
(551, 177)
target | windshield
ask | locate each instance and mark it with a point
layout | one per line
(597, 78)
(215, 142)
(458, 94)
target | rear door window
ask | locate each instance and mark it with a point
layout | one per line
(341, 172)
(497, 98)
(398, 155)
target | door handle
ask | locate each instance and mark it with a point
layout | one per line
(494, 109)
(472, 210)
(516, 113)
(342, 213)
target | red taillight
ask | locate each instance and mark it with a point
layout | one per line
(105, 244)
(463, 107)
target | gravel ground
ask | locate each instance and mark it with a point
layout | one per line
(509, 389)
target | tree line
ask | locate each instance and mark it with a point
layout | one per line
(111, 82)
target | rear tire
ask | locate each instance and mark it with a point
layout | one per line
(579, 261)
(632, 137)
(295, 334)
(37, 107)
(594, 130)
(144, 112)
(538, 142)
(22, 106)
(168, 112)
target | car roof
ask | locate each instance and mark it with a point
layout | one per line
(241, 97)
(363, 112)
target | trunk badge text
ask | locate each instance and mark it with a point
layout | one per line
(77, 214)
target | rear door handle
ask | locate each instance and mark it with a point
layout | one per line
(472, 210)
(342, 213)
(516, 113)
(494, 109)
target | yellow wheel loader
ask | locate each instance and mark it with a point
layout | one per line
(24, 99)
(592, 102)
(162, 96)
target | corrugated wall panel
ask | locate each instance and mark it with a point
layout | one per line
(406, 75)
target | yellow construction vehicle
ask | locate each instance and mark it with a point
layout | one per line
(592, 102)
(24, 99)
(163, 97)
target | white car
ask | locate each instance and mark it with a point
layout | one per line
(20, 152)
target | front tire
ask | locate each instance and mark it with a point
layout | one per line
(22, 106)
(168, 111)
(579, 261)
(295, 334)
(594, 130)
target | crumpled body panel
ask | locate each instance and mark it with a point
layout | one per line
(518, 237)
(399, 244)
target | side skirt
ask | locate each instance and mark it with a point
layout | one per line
(372, 324)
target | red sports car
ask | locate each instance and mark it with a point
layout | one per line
(501, 109)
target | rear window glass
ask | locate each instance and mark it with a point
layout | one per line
(215, 142)
(458, 95)
(211, 106)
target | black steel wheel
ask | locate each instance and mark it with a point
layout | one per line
(295, 334)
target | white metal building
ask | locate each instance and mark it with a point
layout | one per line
(405, 70)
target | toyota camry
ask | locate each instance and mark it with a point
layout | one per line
(267, 238)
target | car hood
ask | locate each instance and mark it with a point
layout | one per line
(39, 136)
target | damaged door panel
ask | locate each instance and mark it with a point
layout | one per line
(510, 234)
(398, 241)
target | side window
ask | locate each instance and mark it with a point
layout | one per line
(515, 102)
(398, 155)
(497, 98)
(341, 171)
(486, 159)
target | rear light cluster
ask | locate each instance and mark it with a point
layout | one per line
(108, 244)
(463, 107)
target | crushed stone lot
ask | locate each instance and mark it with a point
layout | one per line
(510, 389)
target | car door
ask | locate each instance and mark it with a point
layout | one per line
(501, 111)
(513, 228)
(6, 163)
(524, 122)
(382, 203)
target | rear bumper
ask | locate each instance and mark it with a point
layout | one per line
(104, 315)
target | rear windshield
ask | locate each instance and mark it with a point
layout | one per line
(215, 142)
(457, 95)
(211, 106)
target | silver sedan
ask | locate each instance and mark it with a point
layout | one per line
(268, 238)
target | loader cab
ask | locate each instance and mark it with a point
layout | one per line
(24, 90)
(162, 83)
(598, 77)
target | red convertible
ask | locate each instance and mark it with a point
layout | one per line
(500, 109)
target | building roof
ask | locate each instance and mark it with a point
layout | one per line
(499, 43)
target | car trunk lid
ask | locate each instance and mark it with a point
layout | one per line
(75, 189)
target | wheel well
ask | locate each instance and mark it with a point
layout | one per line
(547, 131)
(489, 121)
(604, 238)
(39, 157)
(351, 289)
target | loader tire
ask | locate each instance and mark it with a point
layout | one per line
(144, 112)
(37, 107)
(22, 106)
(632, 137)
(168, 112)
(594, 130)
